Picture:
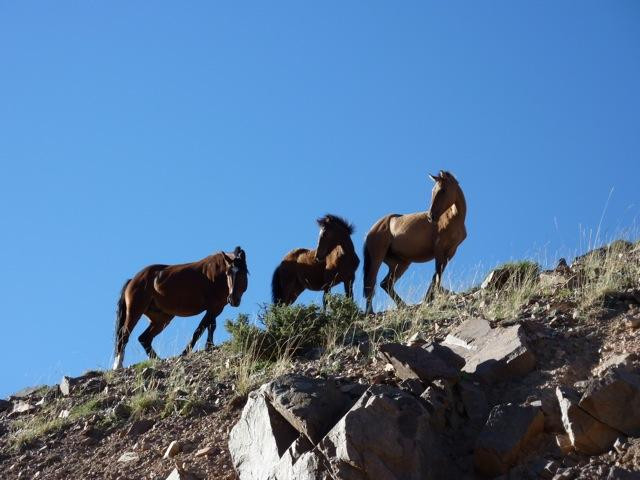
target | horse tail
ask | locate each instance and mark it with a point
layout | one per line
(276, 286)
(121, 315)
(366, 267)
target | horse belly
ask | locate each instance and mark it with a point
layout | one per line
(180, 293)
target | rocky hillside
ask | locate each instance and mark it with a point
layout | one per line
(536, 374)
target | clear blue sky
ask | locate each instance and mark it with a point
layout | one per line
(158, 132)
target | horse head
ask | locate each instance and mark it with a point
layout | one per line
(444, 194)
(334, 231)
(237, 275)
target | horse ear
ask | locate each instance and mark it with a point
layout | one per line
(435, 179)
(227, 259)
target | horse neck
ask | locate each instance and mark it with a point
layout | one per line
(213, 267)
(347, 245)
(455, 214)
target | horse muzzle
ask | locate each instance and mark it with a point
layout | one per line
(232, 301)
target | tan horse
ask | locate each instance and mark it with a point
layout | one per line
(161, 292)
(334, 261)
(399, 240)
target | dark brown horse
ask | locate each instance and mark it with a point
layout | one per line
(333, 261)
(399, 240)
(163, 291)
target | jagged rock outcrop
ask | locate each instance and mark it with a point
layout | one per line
(587, 434)
(492, 354)
(417, 362)
(614, 399)
(507, 431)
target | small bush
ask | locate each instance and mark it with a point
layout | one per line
(289, 329)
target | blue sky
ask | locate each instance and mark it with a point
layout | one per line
(134, 133)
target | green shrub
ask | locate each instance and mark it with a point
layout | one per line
(290, 329)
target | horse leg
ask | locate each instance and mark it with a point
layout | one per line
(136, 305)
(374, 252)
(204, 323)
(348, 288)
(159, 320)
(211, 327)
(436, 280)
(396, 270)
(325, 297)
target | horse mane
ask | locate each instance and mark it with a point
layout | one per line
(330, 219)
(444, 174)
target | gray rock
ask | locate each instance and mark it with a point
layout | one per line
(446, 354)
(128, 457)
(474, 401)
(309, 466)
(300, 462)
(66, 385)
(508, 429)
(180, 474)
(614, 399)
(416, 362)
(494, 355)
(587, 435)
(260, 438)
(385, 436)
(139, 427)
(27, 392)
(21, 407)
(311, 405)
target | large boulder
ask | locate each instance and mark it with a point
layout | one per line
(508, 429)
(474, 402)
(493, 354)
(385, 436)
(417, 362)
(311, 405)
(587, 435)
(260, 438)
(614, 399)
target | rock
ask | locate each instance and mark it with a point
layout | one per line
(128, 457)
(139, 427)
(20, 407)
(416, 340)
(64, 414)
(121, 410)
(514, 273)
(5, 405)
(206, 451)
(492, 354)
(624, 361)
(416, 362)
(620, 445)
(564, 443)
(587, 435)
(618, 473)
(474, 401)
(310, 405)
(437, 400)
(172, 450)
(89, 383)
(614, 399)
(27, 392)
(309, 466)
(508, 429)
(445, 354)
(260, 438)
(181, 474)
(385, 435)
